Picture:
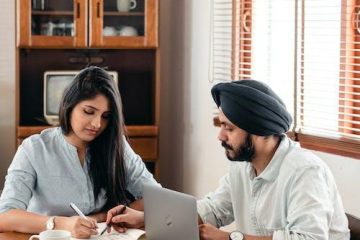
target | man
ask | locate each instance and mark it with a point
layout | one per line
(274, 189)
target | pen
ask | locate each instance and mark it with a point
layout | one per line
(77, 210)
(122, 210)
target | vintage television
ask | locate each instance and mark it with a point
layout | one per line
(55, 82)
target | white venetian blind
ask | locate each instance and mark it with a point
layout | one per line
(231, 40)
(328, 69)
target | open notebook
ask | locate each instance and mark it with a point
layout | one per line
(130, 234)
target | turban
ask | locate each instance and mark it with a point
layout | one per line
(252, 106)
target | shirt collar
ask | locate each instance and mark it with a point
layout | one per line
(272, 169)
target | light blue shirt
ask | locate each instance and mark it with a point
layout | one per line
(46, 175)
(295, 197)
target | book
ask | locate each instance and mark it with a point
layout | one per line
(130, 234)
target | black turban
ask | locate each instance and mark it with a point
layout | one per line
(252, 106)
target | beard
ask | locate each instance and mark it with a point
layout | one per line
(245, 152)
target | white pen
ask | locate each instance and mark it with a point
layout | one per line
(77, 210)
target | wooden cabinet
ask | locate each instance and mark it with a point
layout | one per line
(55, 35)
(111, 28)
(86, 23)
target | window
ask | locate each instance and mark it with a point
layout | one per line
(308, 51)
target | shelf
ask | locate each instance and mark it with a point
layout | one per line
(132, 131)
(143, 139)
(123, 14)
(52, 13)
(71, 13)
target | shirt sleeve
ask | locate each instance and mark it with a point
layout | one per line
(310, 208)
(137, 173)
(19, 183)
(216, 208)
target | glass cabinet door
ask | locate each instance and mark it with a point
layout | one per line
(52, 23)
(123, 23)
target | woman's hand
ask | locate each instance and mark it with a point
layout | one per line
(121, 218)
(78, 226)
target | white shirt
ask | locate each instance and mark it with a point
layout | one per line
(46, 175)
(295, 197)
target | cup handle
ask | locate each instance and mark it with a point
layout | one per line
(133, 4)
(34, 237)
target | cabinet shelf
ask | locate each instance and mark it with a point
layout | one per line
(143, 139)
(52, 13)
(132, 131)
(71, 13)
(123, 14)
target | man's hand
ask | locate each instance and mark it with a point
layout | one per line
(209, 232)
(121, 220)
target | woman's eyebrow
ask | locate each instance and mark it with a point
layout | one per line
(92, 107)
(89, 106)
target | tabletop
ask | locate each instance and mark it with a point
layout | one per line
(14, 236)
(23, 236)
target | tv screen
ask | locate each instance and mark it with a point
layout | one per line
(55, 83)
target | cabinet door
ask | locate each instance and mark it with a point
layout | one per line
(52, 23)
(123, 23)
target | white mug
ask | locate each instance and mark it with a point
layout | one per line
(52, 235)
(125, 5)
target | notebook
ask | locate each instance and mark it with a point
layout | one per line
(130, 234)
(169, 214)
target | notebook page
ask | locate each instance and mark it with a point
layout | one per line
(130, 234)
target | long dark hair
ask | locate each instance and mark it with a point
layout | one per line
(106, 168)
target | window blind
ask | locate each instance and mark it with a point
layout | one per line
(231, 40)
(328, 80)
(308, 51)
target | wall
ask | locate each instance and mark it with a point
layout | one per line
(7, 85)
(346, 172)
(192, 159)
(187, 136)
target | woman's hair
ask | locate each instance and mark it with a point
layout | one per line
(107, 169)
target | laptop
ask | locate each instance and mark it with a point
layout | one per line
(169, 214)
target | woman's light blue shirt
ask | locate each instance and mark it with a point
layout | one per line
(46, 175)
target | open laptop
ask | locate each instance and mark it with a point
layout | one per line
(169, 214)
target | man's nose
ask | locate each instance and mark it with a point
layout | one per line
(222, 135)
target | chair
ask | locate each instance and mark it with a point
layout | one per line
(354, 226)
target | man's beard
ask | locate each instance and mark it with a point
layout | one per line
(245, 153)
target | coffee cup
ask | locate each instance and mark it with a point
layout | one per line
(109, 31)
(52, 235)
(128, 31)
(125, 5)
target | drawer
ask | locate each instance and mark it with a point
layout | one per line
(145, 147)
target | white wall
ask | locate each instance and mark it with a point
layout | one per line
(347, 175)
(7, 85)
(192, 159)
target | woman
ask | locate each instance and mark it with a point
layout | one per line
(86, 161)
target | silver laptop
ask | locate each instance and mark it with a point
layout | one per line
(169, 214)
